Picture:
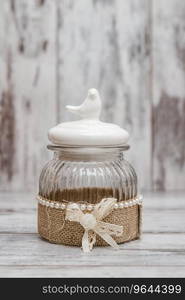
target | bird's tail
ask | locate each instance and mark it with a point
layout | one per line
(73, 109)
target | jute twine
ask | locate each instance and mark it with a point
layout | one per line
(53, 227)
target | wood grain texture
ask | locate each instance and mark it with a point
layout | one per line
(27, 89)
(155, 221)
(169, 94)
(35, 251)
(95, 271)
(159, 253)
(133, 51)
(106, 44)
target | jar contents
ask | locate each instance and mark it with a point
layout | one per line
(86, 195)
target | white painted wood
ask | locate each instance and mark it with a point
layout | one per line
(24, 253)
(27, 89)
(168, 94)
(154, 221)
(28, 249)
(106, 45)
(51, 52)
(162, 200)
(93, 271)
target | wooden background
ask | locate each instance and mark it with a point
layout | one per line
(133, 51)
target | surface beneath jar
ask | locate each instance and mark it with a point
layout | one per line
(89, 195)
(159, 253)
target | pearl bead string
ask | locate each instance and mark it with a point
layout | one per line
(89, 207)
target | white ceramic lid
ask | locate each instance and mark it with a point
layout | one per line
(89, 130)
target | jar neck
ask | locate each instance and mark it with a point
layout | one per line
(89, 154)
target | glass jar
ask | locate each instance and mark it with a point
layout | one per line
(86, 175)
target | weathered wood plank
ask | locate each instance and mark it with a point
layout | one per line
(153, 221)
(92, 271)
(27, 89)
(169, 94)
(21, 249)
(156, 254)
(106, 45)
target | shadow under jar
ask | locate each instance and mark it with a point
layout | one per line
(86, 175)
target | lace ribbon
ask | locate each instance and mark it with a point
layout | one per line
(93, 224)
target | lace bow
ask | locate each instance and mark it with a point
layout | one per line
(93, 224)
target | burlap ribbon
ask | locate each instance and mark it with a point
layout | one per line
(93, 224)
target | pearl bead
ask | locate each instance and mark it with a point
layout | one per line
(73, 206)
(121, 205)
(89, 207)
(83, 206)
(57, 205)
(62, 206)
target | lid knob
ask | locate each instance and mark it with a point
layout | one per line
(89, 130)
(90, 108)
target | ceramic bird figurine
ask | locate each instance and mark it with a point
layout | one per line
(90, 108)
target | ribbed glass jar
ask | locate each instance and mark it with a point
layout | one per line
(88, 174)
